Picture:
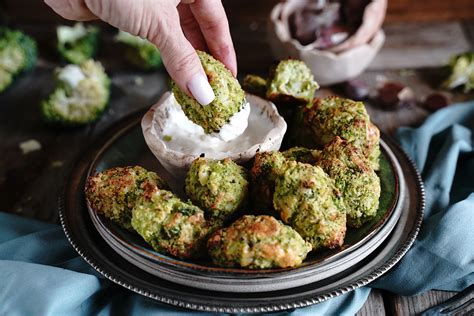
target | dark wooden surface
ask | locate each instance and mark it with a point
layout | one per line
(30, 184)
(429, 10)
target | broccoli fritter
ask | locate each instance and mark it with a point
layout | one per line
(333, 116)
(258, 242)
(356, 181)
(255, 85)
(170, 225)
(77, 43)
(18, 53)
(291, 81)
(140, 52)
(113, 193)
(230, 98)
(80, 97)
(302, 154)
(220, 187)
(306, 198)
(266, 168)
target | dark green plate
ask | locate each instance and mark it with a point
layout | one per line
(127, 147)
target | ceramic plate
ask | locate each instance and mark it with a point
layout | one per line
(86, 239)
(205, 275)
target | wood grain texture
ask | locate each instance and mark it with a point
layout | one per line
(430, 10)
(468, 27)
(418, 45)
(398, 10)
(30, 184)
(374, 305)
(413, 305)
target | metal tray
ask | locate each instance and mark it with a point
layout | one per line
(87, 241)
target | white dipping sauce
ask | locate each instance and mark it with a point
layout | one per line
(245, 129)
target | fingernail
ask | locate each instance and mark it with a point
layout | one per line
(201, 89)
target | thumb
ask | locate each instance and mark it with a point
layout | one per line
(182, 62)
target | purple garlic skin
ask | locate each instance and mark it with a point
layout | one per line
(392, 95)
(318, 23)
(355, 89)
(436, 101)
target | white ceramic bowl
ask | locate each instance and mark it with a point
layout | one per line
(177, 163)
(328, 67)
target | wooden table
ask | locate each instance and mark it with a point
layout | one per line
(30, 183)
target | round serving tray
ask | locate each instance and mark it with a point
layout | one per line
(87, 241)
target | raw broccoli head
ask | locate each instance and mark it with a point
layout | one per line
(6, 79)
(80, 97)
(18, 54)
(462, 72)
(140, 52)
(77, 43)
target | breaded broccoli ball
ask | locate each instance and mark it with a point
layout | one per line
(270, 165)
(230, 98)
(266, 168)
(80, 97)
(291, 81)
(140, 52)
(357, 182)
(220, 187)
(18, 53)
(113, 193)
(170, 225)
(77, 43)
(255, 85)
(302, 154)
(306, 199)
(258, 242)
(334, 116)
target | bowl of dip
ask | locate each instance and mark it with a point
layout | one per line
(176, 141)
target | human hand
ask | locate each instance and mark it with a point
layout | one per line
(176, 27)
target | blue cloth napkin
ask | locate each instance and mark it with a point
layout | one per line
(442, 257)
(40, 273)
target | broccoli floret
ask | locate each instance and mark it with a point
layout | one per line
(77, 43)
(140, 52)
(81, 94)
(6, 79)
(462, 72)
(18, 54)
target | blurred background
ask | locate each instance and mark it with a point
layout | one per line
(445, 25)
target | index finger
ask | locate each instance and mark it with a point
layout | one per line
(212, 20)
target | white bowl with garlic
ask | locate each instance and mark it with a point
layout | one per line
(343, 53)
(176, 141)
